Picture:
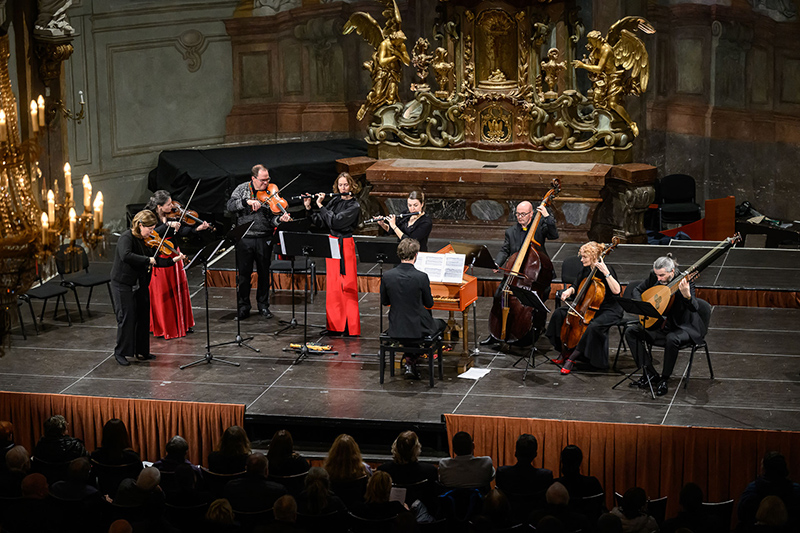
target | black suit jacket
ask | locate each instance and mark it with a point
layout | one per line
(132, 260)
(523, 479)
(408, 291)
(515, 236)
(683, 314)
(253, 493)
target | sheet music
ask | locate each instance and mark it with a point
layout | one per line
(442, 268)
(335, 252)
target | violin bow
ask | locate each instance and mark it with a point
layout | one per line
(281, 188)
(180, 220)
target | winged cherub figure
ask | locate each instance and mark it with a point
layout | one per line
(622, 49)
(390, 55)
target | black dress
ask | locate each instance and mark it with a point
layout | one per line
(419, 230)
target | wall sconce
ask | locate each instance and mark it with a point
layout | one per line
(58, 106)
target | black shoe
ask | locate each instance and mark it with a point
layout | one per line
(490, 340)
(121, 359)
(243, 314)
(266, 313)
(145, 357)
(189, 330)
(661, 390)
(411, 372)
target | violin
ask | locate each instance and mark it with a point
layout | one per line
(190, 217)
(531, 269)
(381, 218)
(273, 199)
(163, 247)
(587, 302)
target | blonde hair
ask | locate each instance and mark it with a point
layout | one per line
(355, 188)
(592, 248)
(406, 447)
(143, 218)
(344, 460)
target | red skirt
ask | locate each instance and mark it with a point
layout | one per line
(341, 292)
(170, 304)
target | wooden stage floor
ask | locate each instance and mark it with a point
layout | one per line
(755, 354)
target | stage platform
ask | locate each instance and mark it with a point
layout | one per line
(754, 351)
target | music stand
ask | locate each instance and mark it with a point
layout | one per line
(529, 299)
(296, 226)
(638, 307)
(375, 250)
(202, 258)
(307, 245)
(478, 255)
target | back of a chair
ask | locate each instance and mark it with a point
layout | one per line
(677, 189)
(570, 269)
(590, 506)
(420, 490)
(252, 519)
(294, 484)
(350, 492)
(110, 476)
(460, 505)
(366, 525)
(52, 471)
(70, 260)
(704, 310)
(185, 518)
(215, 483)
(722, 512)
(658, 509)
(335, 522)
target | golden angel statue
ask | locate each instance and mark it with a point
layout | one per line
(387, 60)
(620, 49)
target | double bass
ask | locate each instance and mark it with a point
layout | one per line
(587, 302)
(530, 268)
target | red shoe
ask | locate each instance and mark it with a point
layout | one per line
(559, 361)
(567, 368)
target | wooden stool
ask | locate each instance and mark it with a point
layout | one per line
(430, 346)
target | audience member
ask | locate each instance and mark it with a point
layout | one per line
(283, 460)
(344, 462)
(184, 491)
(120, 526)
(633, 512)
(6, 441)
(56, 446)
(551, 524)
(578, 485)
(231, 456)
(557, 506)
(76, 487)
(405, 467)
(497, 509)
(465, 470)
(317, 498)
(176, 449)
(609, 523)
(254, 492)
(377, 505)
(772, 517)
(285, 512)
(523, 477)
(144, 491)
(691, 515)
(115, 447)
(33, 513)
(17, 466)
(774, 481)
(220, 518)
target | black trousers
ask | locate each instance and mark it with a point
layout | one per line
(594, 342)
(133, 319)
(671, 339)
(248, 251)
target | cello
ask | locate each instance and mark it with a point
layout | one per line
(587, 302)
(530, 268)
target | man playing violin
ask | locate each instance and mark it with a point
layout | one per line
(256, 246)
(682, 324)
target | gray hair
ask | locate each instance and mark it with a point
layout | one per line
(148, 478)
(665, 262)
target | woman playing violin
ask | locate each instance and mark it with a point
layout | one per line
(416, 226)
(340, 216)
(593, 344)
(130, 280)
(171, 307)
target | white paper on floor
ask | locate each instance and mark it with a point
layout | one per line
(475, 373)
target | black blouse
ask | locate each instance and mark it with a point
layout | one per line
(419, 230)
(339, 216)
(608, 301)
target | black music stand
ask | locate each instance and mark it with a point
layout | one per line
(202, 258)
(638, 307)
(232, 238)
(307, 245)
(296, 226)
(478, 255)
(529, 299)
(381, 251)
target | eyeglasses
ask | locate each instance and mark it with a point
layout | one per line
(518, 215)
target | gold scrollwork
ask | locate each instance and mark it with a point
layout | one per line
(495, 124)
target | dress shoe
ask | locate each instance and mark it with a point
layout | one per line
(661, 390)
(411, 372)
(145, 357)
(243, 314)
(266, 313)
(559, 361)
(189, 330)
(641, 383)
(567, 368)
(121, 359)
(489, 341)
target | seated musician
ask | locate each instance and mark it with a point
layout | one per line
(415, 226)
(682, 324)
(593, 344)
(408, 291)
(515, 236)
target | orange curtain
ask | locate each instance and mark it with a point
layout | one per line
(150, 423)
(660, 459)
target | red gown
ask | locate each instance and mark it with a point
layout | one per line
(170, 304)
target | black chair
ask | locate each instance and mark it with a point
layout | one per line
(335, 522)
(419, 490)
(522, 503)
(722, 512)
(366, 525)
(429, 346)
(286, 266)
(110, 476)
(675, 196)
(252, 519)
(45, 291)
(458, 506)
(20, 301)
(215, 483)
(658, 509)
(350, 492)
(627, 320)
(570, 268)
(187, 519)
(72, 264)
(52, 471)
(704, 309)
(294, 484)
(437, 526)
(590, 506)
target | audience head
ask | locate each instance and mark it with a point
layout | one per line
(344, 459)
(55, 427)
(78, 470)
(34, 487)
(148, 479)
(6, 433)
(691, 497)
(281, 447)
(318, 486)
(774, 466)
(571, 459)
(557, 494)
(408, 249)
(609, 523)
(120, 526)
(115, 436)
(257, 464)
(550, 524)
(379, 488)
(234, 442)
(496, 506)
(462, 443)
(285, 509)
(220, 512)
(772, 512)
(527, 448)
(633, 502)
(177, 448)
(406, 447)
(17, 459)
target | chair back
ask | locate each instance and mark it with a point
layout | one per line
(676, 189)
(70, 260)
(459, 505)
(367, 525)
(589, 506)
(215, 483)
(335, 522)
(570, 269)
(658, 509)
(110, 476)
(185, 518)
(522, 503)
(252, 519)
(350, 492)
(294, 484)
(704, 310)
(722, 513)
(419, 490)
(52, 471)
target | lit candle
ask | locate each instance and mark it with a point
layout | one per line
(51, 205)
(34, 116)
(45, 227)
(80, 93)
(67, 181)
(3, 133)
(98, 210)
(72, 217)
(40, 105)
(87, 194)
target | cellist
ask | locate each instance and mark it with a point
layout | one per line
(593, 344)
